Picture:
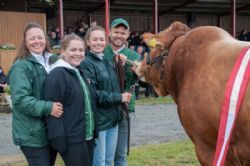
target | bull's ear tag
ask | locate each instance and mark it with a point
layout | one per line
(152, 43)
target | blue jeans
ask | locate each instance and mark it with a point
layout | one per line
(122, 143)
(104, 152)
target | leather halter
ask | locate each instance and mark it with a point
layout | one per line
(160, 58)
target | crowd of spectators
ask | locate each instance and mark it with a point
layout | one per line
(79, 29)
(135, 40)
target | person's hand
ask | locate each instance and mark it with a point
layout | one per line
(126, 97)
(57, 110)
(122, 57)
(134, 66)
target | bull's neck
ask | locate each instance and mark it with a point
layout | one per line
(175, 74)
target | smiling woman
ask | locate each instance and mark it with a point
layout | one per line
(72, 135)
(109, 99)
(35, 40)
(73, 52)
(26, 78)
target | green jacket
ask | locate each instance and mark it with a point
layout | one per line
(109, 99)
(26, 79)
(130, 77)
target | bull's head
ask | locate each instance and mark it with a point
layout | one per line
(152, 69)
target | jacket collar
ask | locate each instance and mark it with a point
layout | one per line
(93, 55)
(117, 51)
(62, 63)
(31, 58)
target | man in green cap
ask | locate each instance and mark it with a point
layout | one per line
(119, 33)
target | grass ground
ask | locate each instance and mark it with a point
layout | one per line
(179, 153)
(154, 100)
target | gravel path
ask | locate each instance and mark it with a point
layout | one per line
(156, 124)
(150, 125)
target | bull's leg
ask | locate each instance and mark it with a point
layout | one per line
(204, 154)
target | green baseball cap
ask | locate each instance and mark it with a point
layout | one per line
(118, 21)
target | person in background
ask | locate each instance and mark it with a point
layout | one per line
(131, 40)
(137, 39)
(119, 34)
(109, 98)
(148, 88)
(243, 35)
(53, 39)
(26, 79)
(132, 47)
(72, 135)
(140, 51)
(69, 30)
(81, 32)
(57, 30)
(3, 80)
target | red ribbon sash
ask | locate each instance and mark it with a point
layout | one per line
(235, 90)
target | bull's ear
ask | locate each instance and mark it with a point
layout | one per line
(175, 30)
(147, 37)
(179, 28)
(152, 40)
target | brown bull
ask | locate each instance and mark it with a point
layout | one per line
(195, 73)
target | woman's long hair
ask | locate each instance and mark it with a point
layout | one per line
(23, 51)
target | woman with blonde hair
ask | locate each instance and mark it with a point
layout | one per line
(72, 135)
(109, 98)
